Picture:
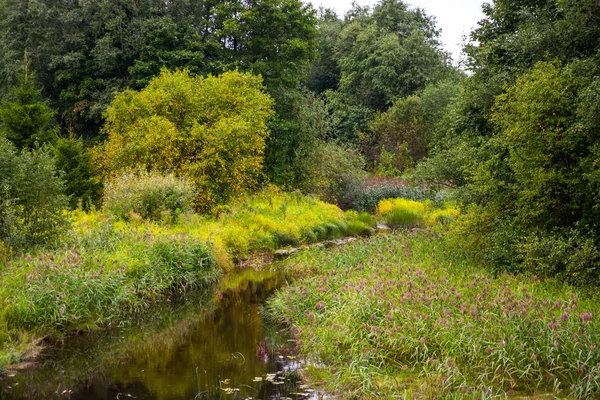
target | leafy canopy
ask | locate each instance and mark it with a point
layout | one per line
(211, 130)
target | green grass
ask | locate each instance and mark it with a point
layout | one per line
(108, 270)
(411, 315)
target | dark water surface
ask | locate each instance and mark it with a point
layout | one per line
(213, 345)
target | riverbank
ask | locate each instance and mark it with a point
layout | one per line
(410, 314)
(211, 343)
(107, 270)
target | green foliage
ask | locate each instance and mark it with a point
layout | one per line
(211, 130)
(31, 197)
(412, 313)
(391, 53)
(535, 119)
(570, 256)
(25, 116)
(300, 126)
(372, 58)
(325, 73)
(86, 51)
(521, 140)
(386, 166)
(331, 169)
(86, 286)
(536, 175)
(75, 161)
(405, 129)
(149, 195)
(514, 35)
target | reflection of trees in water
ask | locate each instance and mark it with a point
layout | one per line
(173, 352)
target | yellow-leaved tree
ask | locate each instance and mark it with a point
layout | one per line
(211, 130)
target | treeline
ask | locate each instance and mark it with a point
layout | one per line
(521, 141)
(107, 86)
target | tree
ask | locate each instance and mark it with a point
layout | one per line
(211, 130)
(521, 140)
(86, 51)
(75, 161)
(373, 58)
(32, 197)
(25, 116)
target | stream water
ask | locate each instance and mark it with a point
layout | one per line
(214, 345)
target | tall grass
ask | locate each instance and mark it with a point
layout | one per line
(409, 314)
(110, 269)
(403, 213)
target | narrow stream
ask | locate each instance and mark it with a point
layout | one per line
(213, 345)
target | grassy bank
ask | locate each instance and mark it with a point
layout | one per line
(410, 315)
(108, 270)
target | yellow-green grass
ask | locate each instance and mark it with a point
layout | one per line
(404, 213)
(108, 270)
(412, 315)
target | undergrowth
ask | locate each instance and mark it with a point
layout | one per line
(412, 315)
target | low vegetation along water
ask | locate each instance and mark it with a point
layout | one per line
(211, 345)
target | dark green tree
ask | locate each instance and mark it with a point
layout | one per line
(86, 51)
(25, 116)
(32, 197)
(374, 57)
(521, 141)
(75, 161)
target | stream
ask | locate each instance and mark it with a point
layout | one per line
(211, 345)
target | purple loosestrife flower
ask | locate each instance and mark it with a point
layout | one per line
(586, 317)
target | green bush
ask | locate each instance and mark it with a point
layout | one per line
(211, 130)
(570, 256)
(32, 197)
(333, 169)
(82, 186)
(150, 195)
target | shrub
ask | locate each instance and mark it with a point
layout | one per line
(211, 130)
(333, 169)
(399, 137)
(570, 256)
(82, 185)
(32, 197)
(147, 194)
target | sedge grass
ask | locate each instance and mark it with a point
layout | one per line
(411, 315)
(110, 269)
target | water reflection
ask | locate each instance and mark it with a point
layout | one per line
(212, 346)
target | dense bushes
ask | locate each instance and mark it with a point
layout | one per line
(521, 141)
(536, 185)
(332, 168)
(147, 195)
(31, 197)
(211, 130)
